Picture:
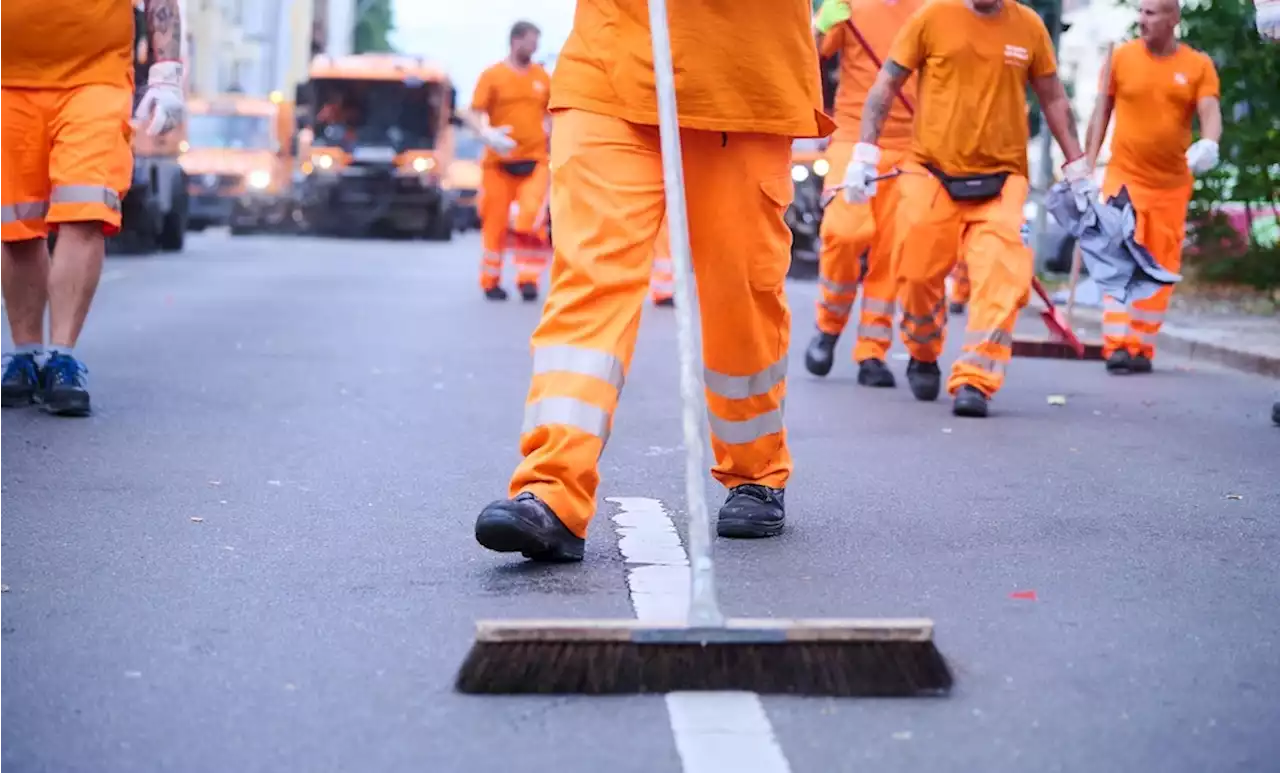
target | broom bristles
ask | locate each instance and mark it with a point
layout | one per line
(828, 668)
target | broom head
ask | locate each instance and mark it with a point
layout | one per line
(841, 658)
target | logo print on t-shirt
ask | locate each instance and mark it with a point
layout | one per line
(1179, 79)
(539, 87)
(1016, 56)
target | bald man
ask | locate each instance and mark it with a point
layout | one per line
(1158, 85)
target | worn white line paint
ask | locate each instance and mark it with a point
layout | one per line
(714, 731)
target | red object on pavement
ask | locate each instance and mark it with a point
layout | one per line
(1062, 343)
(1023, 595)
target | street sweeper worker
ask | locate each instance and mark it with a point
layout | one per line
(858, 237)
(509, 114)
(740, 106)
(66, 161)
(965, 180)
(1157, 87)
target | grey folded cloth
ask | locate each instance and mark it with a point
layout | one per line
(1122, 268)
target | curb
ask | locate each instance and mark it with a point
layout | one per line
(1186, 345)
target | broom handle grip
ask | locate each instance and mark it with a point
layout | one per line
(704, 608)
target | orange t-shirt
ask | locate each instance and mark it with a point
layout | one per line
(972, 111)
(516, 98)
(747, 66)
(879, 22)
(1155, 99)
(66, 43)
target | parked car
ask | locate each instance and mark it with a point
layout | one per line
(804, 216)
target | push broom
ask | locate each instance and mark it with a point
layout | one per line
(706, 651)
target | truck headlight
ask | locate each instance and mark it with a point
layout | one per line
(799, 173)
(324, 161)
(422, 164)
(259, 179)
(821, 167)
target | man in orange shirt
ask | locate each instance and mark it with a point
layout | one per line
(66, 162)
(1157, 86)
(509, 113)
(965, 180)
(747, 84)
(857, 238)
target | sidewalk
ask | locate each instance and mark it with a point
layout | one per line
(1221, 333)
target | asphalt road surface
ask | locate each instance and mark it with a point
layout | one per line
(258, 554)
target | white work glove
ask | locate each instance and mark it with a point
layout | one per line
(1079, 175)
(858, 184)
(1202, 156)
(1267, 19)
(496, 138)
(163, 102)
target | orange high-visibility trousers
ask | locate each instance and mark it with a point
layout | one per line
(607, 202)
(1161, 228)
(960, 288)
(512, 216)
(662, 283)
(65, 157)
(857, 249)
(933, 233)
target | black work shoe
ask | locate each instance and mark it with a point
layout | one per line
(874, 373)
(970, 402)
(495, 293)
(21, 379)
(62, 386)
(1120, 362)
(1275, 414)
(752, 511)
(666, 302)
(821, 354)
(956, 309)
(1140, 363)
(925, 379)
(529, 291)
(525, 525)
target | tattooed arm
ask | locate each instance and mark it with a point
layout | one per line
(1058, 114)
(880, 100)
(164, 29)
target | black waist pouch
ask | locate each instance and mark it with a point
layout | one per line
(519, 168)
(978, 187)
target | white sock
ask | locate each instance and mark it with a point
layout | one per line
(32, 349)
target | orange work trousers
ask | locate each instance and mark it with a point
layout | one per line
(513, 217)
(933, 233)
(1162, 226)
(857, 249)
(65, 157)
(607, 203)
(662, 284)
(960, 288)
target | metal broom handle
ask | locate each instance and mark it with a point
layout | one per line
(704, 609)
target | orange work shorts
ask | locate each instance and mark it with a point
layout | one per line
(65, 157)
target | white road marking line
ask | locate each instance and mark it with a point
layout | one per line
(714, 731)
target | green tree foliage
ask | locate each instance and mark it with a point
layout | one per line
(374, 25)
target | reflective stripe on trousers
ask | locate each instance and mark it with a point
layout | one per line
(573, 411)
(756, 384)
(62, 194)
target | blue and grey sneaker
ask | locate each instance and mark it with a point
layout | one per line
(62, 386)
(21, 379)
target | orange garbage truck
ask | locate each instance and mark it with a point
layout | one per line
(462, 180)
(378, 132)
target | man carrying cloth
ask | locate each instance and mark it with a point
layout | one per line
(858, 238)
(66, 161)
(965, 180)
(1157, 85)
(509, 113)
(739, 109)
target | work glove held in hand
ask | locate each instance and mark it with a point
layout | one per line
(1079, 175)
(496, 138)
(163, 103)
(1202, 156)
(831, 13)
(859, 185)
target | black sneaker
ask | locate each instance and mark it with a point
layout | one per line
(821, 354)
(529, 291)
(525, 525)
(1120, 362)
(1140, 363)
(925, 380)
(970, 402)
(956, 309)
(495, 293)
(752, 511)
(21, 379)
(666, 302)
(62, 386)
(874, 373)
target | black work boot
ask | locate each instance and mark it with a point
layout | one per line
(821, 354)
(1140, 363)
(925, 379)
(529, 291)
(1275, 414)
(63, 389)
(1120, 362)
(495, 293)
(752, 511)
(970, 402)
(874, 373)
(956, 309)
(525, 525)
(21, 379)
